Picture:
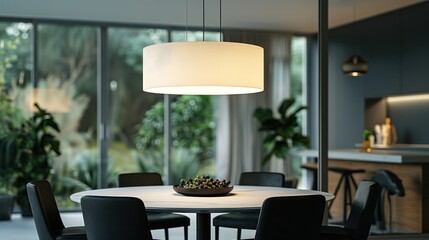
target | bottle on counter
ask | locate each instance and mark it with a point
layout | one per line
(388, 132)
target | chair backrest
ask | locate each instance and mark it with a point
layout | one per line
(139, 179)
(390, 182)
(363, 208)
(45, 210)
(297, 217)
(262, 179)
(115, 218)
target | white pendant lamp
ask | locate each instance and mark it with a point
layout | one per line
(203, 68)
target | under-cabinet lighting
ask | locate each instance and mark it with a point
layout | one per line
(408, 98)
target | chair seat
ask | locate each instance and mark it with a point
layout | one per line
(71, 233)
(335, 233)
(159, 220)
(243, 220)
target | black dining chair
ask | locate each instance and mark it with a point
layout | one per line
(298, 217)
(157, 220)
(390, 185)
(115, 218)
(248, 219)
(46, 215)
(361, 214)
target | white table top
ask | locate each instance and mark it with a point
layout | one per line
(164, 198)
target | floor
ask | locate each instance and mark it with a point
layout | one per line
(23, 229)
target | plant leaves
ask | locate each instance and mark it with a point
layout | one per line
(270, 125)
(281, 149)
(266, 159)
(296, 111)
(269, 138)
(263, 114)
(284, 106)
(284, 133)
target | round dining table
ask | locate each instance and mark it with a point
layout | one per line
(165, 199)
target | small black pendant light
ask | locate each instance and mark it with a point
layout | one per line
(355, 65)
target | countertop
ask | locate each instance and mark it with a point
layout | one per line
(399, 146)
(377, 155)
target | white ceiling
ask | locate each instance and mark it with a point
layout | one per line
(281, 15)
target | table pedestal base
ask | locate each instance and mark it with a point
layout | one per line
(203, 226)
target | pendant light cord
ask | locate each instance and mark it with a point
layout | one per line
(204, 20)
(220, 20)
(186, 33)
(354, 28)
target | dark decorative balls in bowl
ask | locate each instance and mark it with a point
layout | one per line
(203, 186)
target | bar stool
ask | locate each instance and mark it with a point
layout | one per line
(347, 178)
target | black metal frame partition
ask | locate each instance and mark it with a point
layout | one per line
(323, 96)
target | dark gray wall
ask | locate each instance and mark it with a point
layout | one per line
(396, 46)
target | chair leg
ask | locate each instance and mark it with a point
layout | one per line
(166, 233)
(238, 233)
(185, 230)
(336, 190)
(216, 232)
(346, 198)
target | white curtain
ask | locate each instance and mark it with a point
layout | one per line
(281, 83)
(238, 143)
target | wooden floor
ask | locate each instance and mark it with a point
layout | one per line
(23, 229)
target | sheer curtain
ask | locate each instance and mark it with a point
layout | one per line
(239, 144)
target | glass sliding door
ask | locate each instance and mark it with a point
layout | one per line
(136, 117)
(67, 87)
(64, 82)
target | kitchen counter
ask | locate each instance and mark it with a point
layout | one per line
(399, 146)
(409, 213)
(377, 155)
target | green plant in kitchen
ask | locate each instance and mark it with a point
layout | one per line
(283, 133)
(366, 144)
(37, 145)
(366, 134)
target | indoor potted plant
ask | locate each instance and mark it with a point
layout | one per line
(282, 133)
(6, 192)
(10, 119)
(37, 145)
(7, 154)
(366, 143)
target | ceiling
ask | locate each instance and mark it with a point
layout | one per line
(280, 15)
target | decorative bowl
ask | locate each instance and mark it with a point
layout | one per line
(203, 192)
